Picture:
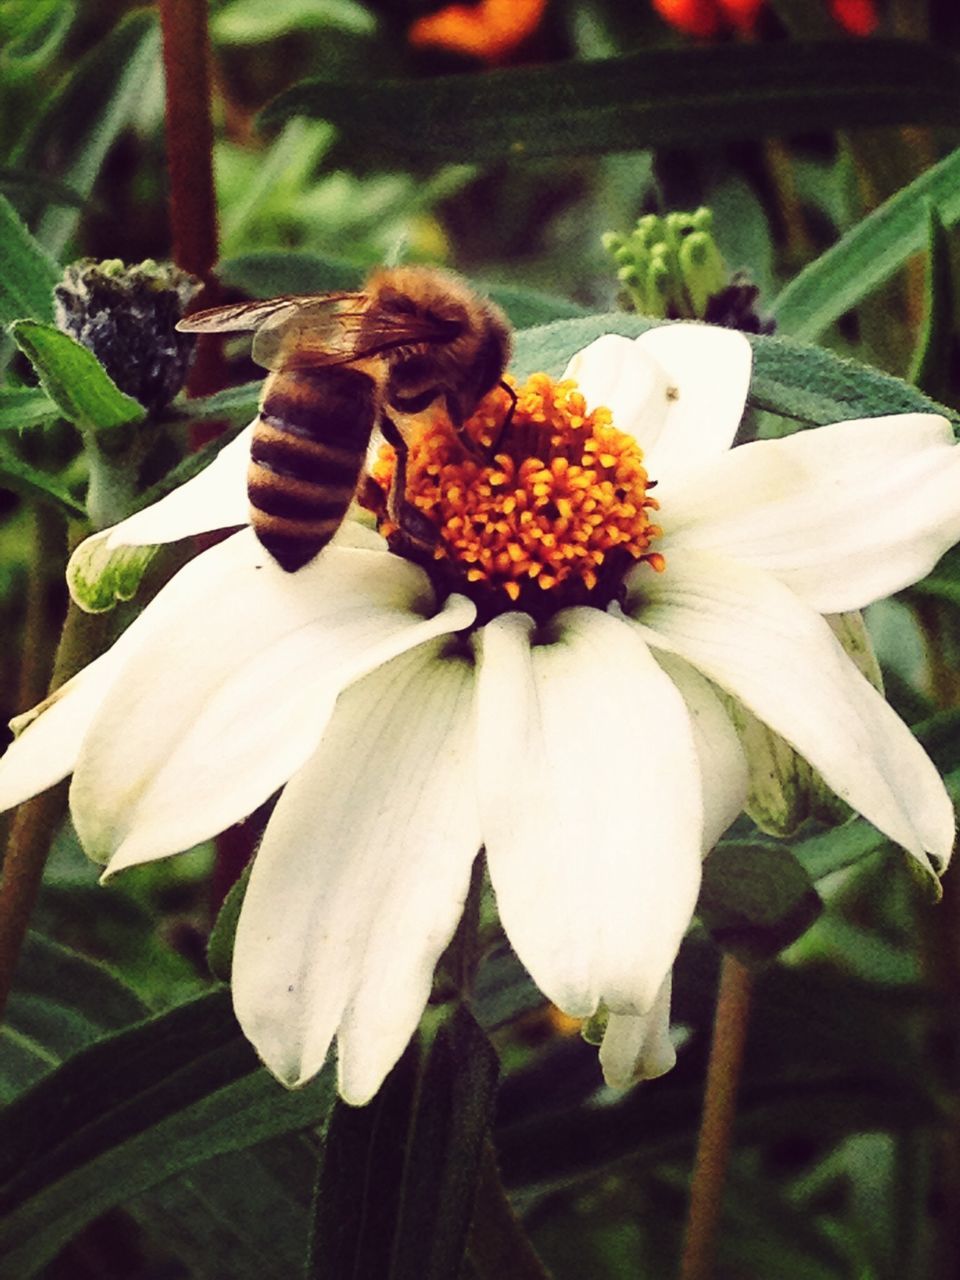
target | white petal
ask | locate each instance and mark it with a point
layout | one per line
(724, 775)
(223, 706)
(751, 636)
(844, 514)
(591, 809)
(214, 499)
(638, 1046)
(708, 369)
(46, 750)
(361, 878)
(617, 373)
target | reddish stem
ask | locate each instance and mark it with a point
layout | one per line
(716, 1125)
(193, 207)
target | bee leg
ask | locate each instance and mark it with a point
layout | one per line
(416, 528)
(507, 418)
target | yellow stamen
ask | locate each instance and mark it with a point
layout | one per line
(564, 492)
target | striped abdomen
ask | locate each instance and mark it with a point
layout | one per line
(309, 446)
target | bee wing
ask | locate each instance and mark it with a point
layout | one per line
(315, 331)
(238, 317)
(349, 332)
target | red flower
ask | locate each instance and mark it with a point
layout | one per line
(708, 17)
(490, 30)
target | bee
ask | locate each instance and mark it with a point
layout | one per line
(342, 364)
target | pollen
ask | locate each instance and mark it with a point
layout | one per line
(547, 505)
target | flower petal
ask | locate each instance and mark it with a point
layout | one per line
(708, 371)
(617, 373)
(361, 877)
(638, 1046)
(51, 734)
(751, 636)
(725, 778)
(46, 749)
(591, 809)
(214, 499)
(230, 698)
(843, 515)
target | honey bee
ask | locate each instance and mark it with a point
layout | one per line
(342, 364)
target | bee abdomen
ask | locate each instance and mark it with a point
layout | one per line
(308, 449)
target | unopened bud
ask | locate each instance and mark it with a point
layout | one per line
(127, 316)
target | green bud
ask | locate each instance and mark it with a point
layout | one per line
(703, 270)
(593, 1028)
(126, 316)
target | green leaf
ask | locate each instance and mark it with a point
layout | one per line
(40, 29)
(275, 271)
(868, 254)
(82, 119)
(237, 405)
(398, 1177)
(37, 184)
(129, 1112)
(240, 1216)
(272, 272)
(27, 272)
(22, 407)
(220, 944)
(756, 899)
(930, 368)
(655, 97)
(792, 379)
(251, 21)
(36, 485)
(62, 1002)
(73, 377)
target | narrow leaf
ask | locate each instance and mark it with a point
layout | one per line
(77, 127)
(22, 407)
(654, 97)
(27, 272)
(397, 1182)
(868, 254)
(129, 1112)
(358, 1183)
(36, 485)
(453, 1116)
(220, 944)
(73, 377)
(932, 362)
(62, 1001)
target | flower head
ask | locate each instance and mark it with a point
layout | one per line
(708, 18)
(578, 728)
(488, 29)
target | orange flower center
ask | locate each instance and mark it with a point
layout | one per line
(536, 510)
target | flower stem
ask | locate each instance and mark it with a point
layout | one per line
(37, 820)
(193, 218)
(498, 1247)
(193, 206)
(716, 1125)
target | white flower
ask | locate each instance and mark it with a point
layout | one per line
(591, 755)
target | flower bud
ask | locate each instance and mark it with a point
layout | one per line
(126, 317)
